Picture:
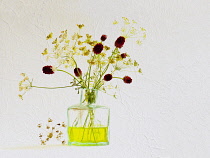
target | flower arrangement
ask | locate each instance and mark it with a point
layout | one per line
(99, 66)
(102, 61)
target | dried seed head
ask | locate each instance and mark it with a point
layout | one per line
(108, 77)
(106, 48)
(20, 96)
(127, 79)
(78, 72)
(50, 135)
(60, 133)
(43, 142)
(50, 120)
(39, 125)
(97, 49)
(63, 125)
(120, 42)
(23, 74)
(103, 37)
(48, 69)
(80, 26)
(123, 55)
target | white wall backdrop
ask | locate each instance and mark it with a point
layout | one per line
(165, 113)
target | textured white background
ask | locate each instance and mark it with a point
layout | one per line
(165, 113)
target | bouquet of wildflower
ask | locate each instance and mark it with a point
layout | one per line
(102, 61)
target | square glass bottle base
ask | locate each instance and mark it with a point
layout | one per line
(88, 144)
(88, 136)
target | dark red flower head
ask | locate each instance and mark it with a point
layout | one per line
(78, 72)
(97, 49)
(47, 70)
(103, 37)
(123, 55)
(120, 42)
(108, 77)
(127, 79)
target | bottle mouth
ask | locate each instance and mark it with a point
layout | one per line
(88, 96)
(93, 89)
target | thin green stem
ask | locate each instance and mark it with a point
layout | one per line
(86, 119)
(74, 61)
(98, 70)
(51, 87)
(89, 77)
(78, 72)
(104, 71)
(99, 80)
(118, 77)
(92, 117)
(68, 74)
(89, 71)
(86, 75)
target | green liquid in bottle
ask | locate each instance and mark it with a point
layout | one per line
(88, 135)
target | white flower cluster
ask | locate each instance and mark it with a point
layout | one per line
(131, 29)
(24, 85)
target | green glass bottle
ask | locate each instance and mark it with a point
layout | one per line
(88, 122)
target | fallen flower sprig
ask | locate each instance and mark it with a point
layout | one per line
(52, 131)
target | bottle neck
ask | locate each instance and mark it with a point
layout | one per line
(88, 97)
